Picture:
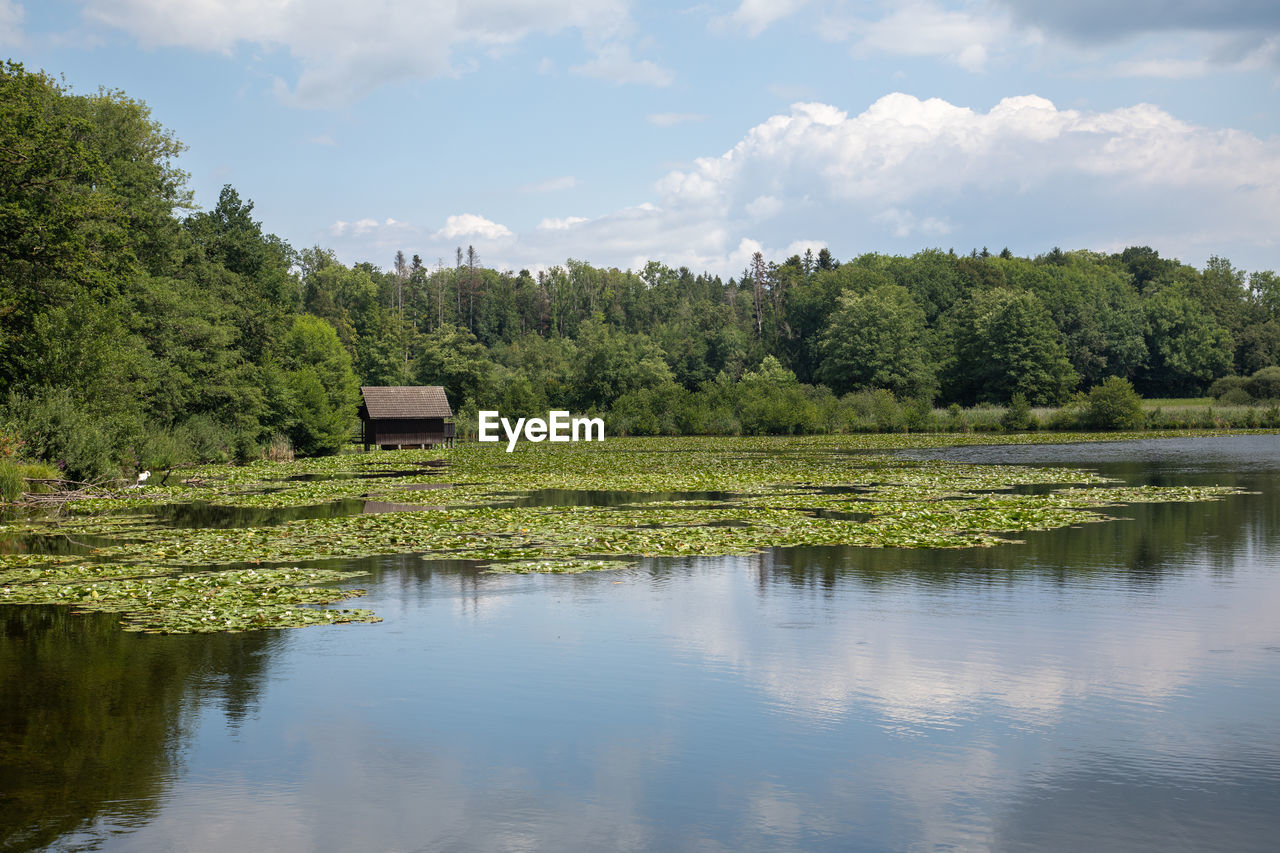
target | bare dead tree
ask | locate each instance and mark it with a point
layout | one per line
(473, 260)
(402, 275)
(439, 287)
(457, 281)
(757, 290)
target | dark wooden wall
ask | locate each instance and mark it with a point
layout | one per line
(402, 431)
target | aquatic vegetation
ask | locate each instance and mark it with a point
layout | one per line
(156, 601)
(559, 509)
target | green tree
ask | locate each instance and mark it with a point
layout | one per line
(322, 388)
(610, 363)
(87, 192)
(771, 401)
(452, 357)
(878, 341)
(1188, 348)
(1094, 306)
(250, 270)
(1003, 342)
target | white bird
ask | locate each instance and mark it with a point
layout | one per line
(142, 478)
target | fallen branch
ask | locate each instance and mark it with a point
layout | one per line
(64, 492)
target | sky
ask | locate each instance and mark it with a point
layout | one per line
(699, 133)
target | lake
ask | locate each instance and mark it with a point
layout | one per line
(1108, 686)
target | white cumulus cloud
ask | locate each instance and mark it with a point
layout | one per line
(471, 225)
(346, 50)
(1025, 172)
(907, 172)
(764, 207)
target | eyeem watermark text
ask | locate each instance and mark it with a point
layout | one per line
(559, 426)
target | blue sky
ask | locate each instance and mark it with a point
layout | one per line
(696, 134)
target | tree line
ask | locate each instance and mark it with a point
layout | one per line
(136, 329)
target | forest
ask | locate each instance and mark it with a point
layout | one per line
(137, 331)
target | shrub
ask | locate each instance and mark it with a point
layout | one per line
(1113, 405)
(1235, 397)
(634, 414)
(955, 421)
(1018, 417)
(206, 439)
(10, 444)
(1227, 385)
(1265, 384)
(918, 416)
(875, 410)
(56, 429)
(246, 447)
(1069, 417)
(163, 451)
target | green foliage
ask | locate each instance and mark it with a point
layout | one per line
(57, 429)
(163, 450)
(1018, 417)
(41, 478)
(1227, 384)
(878, 340)
(653, 410)
(1188, 348)
(321, 387)
(1113, 405)
(86, 202)
(1236, 397)
(610, 363)
(1004, 342)
(1098, 312)
(137, 337)
(772, 493)
(452, 357)
(772, 402)
(1265, 384)
(19, 478)
(10, 444)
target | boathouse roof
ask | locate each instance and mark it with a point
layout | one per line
(396, 402)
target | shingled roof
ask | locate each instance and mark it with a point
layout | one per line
(406, 401)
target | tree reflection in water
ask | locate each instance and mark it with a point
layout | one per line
(93, 720)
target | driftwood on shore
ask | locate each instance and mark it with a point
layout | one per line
(63, 491)
(58, 491)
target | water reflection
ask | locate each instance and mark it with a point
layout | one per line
(1106, 687)
(601, 497)
(206, 515)
(92, 719)
(51, 544)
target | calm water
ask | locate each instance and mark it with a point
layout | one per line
(1110, 687)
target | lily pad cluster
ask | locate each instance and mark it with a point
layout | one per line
(543, 508)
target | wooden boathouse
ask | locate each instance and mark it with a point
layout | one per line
(401, 416)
